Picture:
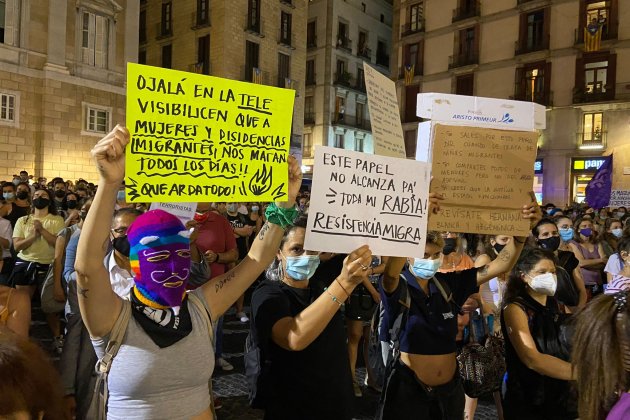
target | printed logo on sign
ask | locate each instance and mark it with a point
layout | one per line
(506, 119)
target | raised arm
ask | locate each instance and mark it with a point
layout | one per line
(100, 306)
(222, 291)
(297, 333)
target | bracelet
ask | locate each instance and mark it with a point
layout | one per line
(281, 216)
(344, 289)
(334, 298)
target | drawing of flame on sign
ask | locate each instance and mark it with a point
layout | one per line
(261, 181)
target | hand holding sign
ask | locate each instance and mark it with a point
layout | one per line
(109, 155)
(355, 267)
(295, 182)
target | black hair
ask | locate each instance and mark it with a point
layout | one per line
(527, 261)
(127, 210)
(8, 184)
(52, 207)
(542, 222)
(623, 244)
(274, 271)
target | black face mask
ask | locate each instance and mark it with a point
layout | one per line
(72, 204)
(60, 193)
(450, 245)
(121, 244)
(41, 203)
(498, 248)
(22, 195)
(550, 244)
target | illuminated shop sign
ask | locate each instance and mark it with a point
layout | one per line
(538, 166)
(586, 164)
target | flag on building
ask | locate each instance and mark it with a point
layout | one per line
(197, 68)
(409, 74)
(257, 75)
(592, 37)
(288, 83)
(599, 188)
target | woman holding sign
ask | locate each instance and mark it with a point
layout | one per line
(424, 382)
(165, 359)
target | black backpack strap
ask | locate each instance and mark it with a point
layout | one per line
(446, 293)
(401, 318)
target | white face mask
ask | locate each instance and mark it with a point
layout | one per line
(544, 283)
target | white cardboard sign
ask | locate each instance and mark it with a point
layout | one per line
(359, 199)
(387, 131)
(619, 198)
(183, 211)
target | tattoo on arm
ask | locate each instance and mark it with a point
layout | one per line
(504, 256)
(263, 230)
(83, 292)
(224, 281)
(483, 270)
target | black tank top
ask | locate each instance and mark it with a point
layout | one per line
(16, 213)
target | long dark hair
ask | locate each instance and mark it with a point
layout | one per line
(274, 271)
(576, 227)
(527, 261)
(52, 208)
(599, 349)
(609, 237)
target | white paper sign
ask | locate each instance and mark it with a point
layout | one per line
(619, 198)
(359, 199)
(183, 211)
(384, 116)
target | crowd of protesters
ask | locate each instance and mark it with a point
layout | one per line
(557, 300)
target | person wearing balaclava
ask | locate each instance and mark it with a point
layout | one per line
(165, 360)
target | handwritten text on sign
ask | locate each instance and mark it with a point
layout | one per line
(619, 198)
(202, 138)
(359, 199)
(384, 116)
(485, 176)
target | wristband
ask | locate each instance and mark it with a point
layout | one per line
(281, 216)
(333, 297)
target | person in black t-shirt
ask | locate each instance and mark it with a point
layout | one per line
(301, 331)
(242, 231)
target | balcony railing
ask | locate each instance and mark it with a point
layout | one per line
(164, 30)
(523, 47)
(523, 1)
(311, 79)
(344, 44)
(461, 60)
(364, 52)
(467, 12)
(351, 121)
(606, 34)
(199, 20)
(382, 59)
(287, 40)
(592, 141)
(581, 95)
(199, 68)
(248, 75)
(343, 79)
(311, 42)
(287, 3)
(542, 98)
(255, 26)
(309, 118)
(411, 28)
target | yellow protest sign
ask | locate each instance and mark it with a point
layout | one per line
(202, 138)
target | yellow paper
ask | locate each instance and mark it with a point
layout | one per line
(200, 138)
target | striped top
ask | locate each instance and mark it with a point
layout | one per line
(617, 284)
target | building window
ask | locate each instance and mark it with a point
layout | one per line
(339, 141)
(94, 39)
(285, 28)
(416, 17)
(3, 6)
(142, 27)
(466, 9)
(284, 66)
(7, 108)
(253, 15)
(251, 60)
(533, 83)
(413, 58)
(466, 47)
(167, 56)
(534, 31)
(166, 25)
(142, 57)
(340, 110)
(410, 143)
(97, 119)
(465, 84)
(203, 12)
(360, 115)
(411, 93)
(592, 129)
(310, 72)
(311, 34)
(382, 57)
(598, 14)
(360, 80)
(595, 77)
(342, 76)
(307, 145)
(363, 50)
(309, 110)
(343, 39)
(203, 54)
(358, 144)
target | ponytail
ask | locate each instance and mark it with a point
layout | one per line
(601, 355)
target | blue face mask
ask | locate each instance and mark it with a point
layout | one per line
(8, 196)
(303, 267)
(566, 234)
(120, 196)
(424, 268)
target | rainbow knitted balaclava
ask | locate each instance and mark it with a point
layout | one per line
(159, 258)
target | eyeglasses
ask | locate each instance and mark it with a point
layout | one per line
(120, 231)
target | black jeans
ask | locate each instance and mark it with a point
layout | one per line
(405, 397)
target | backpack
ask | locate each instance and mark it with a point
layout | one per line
(48, 303)
(257, 368)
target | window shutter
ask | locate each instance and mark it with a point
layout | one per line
(611, 76)
(581, 21)
(519, 92)
(522, 32)
(100, 44)
(476, 41)
(613, 20)
(546, 27)
(579, 75)
(547, 87)
(91, 38)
